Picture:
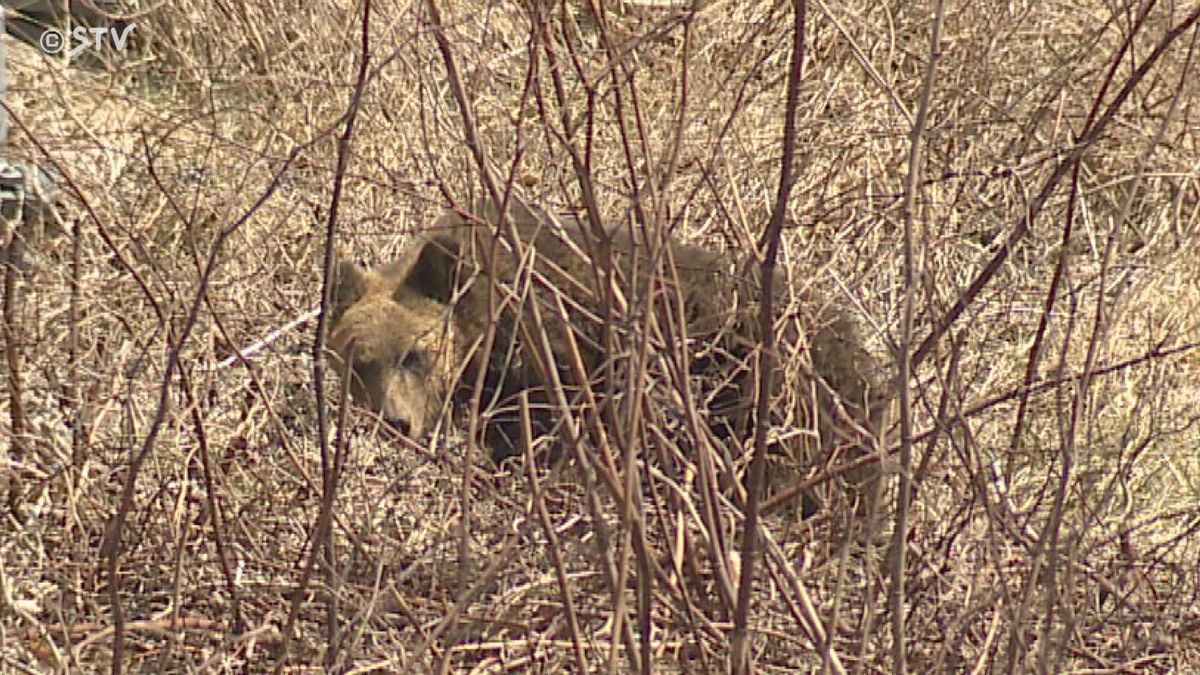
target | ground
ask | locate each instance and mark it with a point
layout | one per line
(165, 478)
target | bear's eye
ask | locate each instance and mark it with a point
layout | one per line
(415, 360)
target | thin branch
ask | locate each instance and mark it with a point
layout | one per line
(904, 489)
(771, 239)
(329, 463)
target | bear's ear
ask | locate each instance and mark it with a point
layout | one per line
(349, 285)
(433, 273)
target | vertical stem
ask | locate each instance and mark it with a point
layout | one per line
(904, 374)
(771, 239)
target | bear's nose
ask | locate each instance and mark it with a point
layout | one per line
(401, 425)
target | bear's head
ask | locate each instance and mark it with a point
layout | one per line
(392, 340)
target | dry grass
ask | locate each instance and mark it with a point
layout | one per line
(1055, 520)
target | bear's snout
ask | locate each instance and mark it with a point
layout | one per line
(401, 426)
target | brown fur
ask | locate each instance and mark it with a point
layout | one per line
(407, 331)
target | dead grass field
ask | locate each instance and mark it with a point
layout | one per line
(161, 457)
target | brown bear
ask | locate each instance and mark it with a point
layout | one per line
(406, 337)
